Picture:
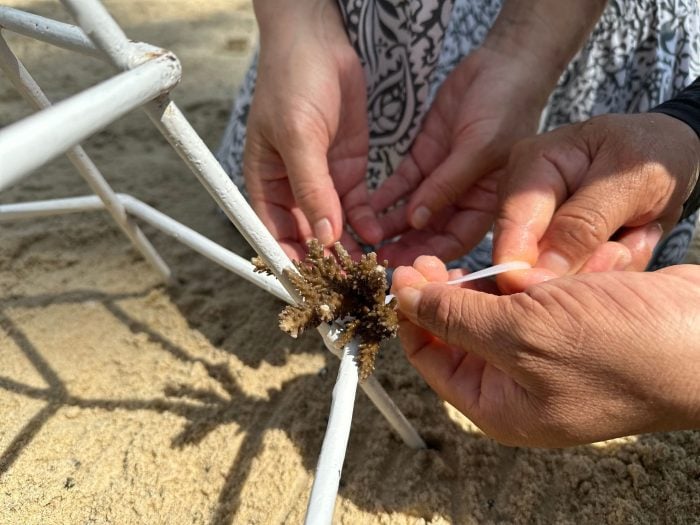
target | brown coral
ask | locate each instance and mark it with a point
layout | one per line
(340, 288)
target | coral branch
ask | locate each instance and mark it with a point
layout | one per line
(340, 288)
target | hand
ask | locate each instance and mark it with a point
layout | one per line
(594, 196)
(570, 361)
(491, 100)
(305, 156)
(463, 145)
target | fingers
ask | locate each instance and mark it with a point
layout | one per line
(360, 214)
(570, 192)
(558, 207)
(404, 180)
(632, 250)
(463, 231)
(313, 188)
(474, 321)
(530, 193)
(446, 184)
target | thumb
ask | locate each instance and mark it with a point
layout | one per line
(478, 322)
(315, 194)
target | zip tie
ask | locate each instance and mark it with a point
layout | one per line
(486, 272)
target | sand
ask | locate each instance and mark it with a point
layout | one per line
(125, 401)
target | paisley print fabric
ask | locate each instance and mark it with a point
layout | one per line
(641, 53)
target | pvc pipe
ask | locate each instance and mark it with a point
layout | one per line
(160, 221)
(335, 442)
(67, 36)
(376, 393)
(28, 144)
(49, 208)
(199, 243)
(224, 258)
(32, 93)
(100, 27)
(50, 31)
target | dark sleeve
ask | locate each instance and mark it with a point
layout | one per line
(686, 107)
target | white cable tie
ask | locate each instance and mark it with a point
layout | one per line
(486, 272)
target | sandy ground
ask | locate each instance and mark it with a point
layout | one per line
(125, 401)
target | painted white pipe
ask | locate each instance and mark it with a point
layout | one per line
(49, 208)
(32, 93)
(68, 36)
(28, 144)
(225, 258)
(50, 31)
(99, 26)
(199, 243)
(376, 393)
(335, 442)
(160, 221)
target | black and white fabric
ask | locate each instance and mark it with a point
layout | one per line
(641, 53)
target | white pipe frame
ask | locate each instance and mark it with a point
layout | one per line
(32, 93)
(149, 72)
(217, 254)
(33, 141)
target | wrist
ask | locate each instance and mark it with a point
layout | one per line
(281, 20)
(543, 35)
(683, 113)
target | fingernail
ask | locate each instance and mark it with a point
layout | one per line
(554, 262)
(409, 299)
(623, 261)
(420, 217)
(653, 234)
(323, 230)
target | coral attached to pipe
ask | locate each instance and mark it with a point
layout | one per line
(338, 288)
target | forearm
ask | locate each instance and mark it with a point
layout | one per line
(545, 33)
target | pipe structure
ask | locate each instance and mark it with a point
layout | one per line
(198, 242)
(108, 37)
(106, 34)
(28, 144)
(335, 442)
(66, 36)
(222, 257)
(32, 93)
(50, 31)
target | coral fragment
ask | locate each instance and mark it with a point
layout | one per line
(340, 288)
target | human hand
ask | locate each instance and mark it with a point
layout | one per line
(594, 196)
(305, 156)
(570, 361)
(492, 99)
(480, 111)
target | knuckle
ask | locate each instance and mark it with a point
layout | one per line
(311, 191)
(440, 313)
(299, 123)
(529, 332)
(580, 228)
(443, 192)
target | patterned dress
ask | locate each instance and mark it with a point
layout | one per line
(641, 53)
